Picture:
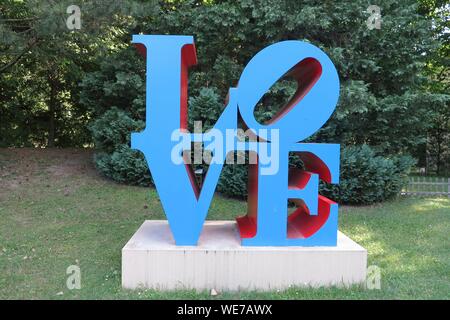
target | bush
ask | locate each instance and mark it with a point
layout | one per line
(124, 165)
(115, 95)
(233, 180)
(113, 129)
(367, 178)
(205, 107)
(114, 158)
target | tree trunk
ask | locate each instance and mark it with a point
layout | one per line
(438, 156)
(52, 109)
(51, 127)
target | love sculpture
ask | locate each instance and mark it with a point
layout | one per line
(267, 223)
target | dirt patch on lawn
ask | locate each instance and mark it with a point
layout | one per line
(20, 166)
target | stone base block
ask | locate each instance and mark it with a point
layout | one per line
(151, 259)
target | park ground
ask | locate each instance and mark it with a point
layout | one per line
(56, 211)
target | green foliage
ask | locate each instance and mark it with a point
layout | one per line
(381, 77)
(112, 129)
(124, 165)
(233, 180)
(119, 81)
(381, 102)
(115, 159)
(42, 63)
(394, 81)
(115, 95)
(435, 156)
(205, 107)
(367, 178)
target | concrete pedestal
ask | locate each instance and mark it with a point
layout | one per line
(151, 259)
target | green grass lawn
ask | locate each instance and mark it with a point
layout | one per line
(55, 211)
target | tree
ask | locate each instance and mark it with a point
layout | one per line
(47, 58)
(381, 71)
(56, 81)
(437, 70)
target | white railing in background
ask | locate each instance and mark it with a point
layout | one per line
(427, 186)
